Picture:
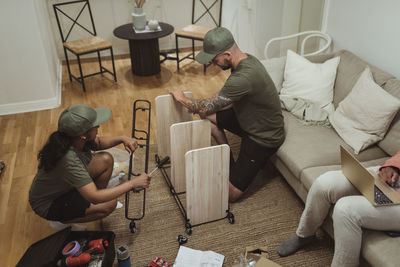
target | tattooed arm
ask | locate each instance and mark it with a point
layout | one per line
(203, 106)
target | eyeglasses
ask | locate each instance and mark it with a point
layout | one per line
(2, 165)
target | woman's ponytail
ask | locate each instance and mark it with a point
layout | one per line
(55, 148)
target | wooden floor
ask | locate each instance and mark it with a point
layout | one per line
(22, 136)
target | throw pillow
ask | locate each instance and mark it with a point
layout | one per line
(275, 68)
(310, 81)
(364, 116)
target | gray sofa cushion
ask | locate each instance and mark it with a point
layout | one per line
(309, 175)
(321, 58)
(310, 146)
(348, 72)
(391, 143)
(380, 250)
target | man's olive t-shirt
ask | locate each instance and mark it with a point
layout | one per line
(71, 171)
(255, 102)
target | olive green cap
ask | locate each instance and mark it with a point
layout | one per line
(216, 41)
(78, 119)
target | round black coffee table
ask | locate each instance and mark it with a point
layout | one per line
(143, 47)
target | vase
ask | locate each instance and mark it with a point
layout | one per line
(139, 18)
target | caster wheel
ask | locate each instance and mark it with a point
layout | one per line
(188, 228)
(189, 231)
(132, 227)
(231, 218)
(182, 239)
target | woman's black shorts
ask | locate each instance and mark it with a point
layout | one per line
(69, 206)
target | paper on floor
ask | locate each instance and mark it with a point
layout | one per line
(188, 257)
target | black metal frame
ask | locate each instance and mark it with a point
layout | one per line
(194, 21)
(92, 32)
(188, 225)
(145, 106)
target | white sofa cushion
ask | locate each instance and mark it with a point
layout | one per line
(310, 81)
(391, 143)
(364, 116)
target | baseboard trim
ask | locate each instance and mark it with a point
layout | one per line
(36, 105)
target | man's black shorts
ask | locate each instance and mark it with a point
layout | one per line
(69, 206)
(252, 156)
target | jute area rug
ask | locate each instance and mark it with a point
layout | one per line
(268, 214)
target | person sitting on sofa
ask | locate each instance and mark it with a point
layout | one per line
(351, 213)
(247, 105)
(70, 185)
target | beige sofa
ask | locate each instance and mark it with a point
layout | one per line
(309, 151)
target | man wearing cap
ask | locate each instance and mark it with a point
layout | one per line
(247, 105)
(70, 185)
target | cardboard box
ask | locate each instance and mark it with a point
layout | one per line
(46, 252)
(260, 254)
(263, 262)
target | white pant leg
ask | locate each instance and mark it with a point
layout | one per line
(350, 215)
(325, 191)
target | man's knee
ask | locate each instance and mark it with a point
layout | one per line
(345, 212)
(325, 182)
(324, 186)
(234, 193)
(212, 118)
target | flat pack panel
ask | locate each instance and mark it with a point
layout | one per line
(186, 136)
(168, 112)
(207, 183)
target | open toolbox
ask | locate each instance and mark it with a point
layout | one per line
(48, 251)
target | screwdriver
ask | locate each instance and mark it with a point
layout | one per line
(162, 162)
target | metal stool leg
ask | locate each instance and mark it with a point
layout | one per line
(177, 51)
(81, 73)
(193, 48)
(68, 67)
(112, 60)
(98, 56)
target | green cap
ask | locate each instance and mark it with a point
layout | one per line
(216, 41)
(78, 119)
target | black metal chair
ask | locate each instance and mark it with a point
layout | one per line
(195, 31)
(92, 44)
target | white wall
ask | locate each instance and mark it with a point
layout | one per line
(30, 69)
(368, 28)
(311, 19)
(29, 65)
(253, 23)
(109, 14)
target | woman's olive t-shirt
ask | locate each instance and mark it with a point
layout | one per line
(70, 172)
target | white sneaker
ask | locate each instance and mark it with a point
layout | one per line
(74, 227)
(119, 205)
(117, 180)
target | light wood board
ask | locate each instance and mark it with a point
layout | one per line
(168, 112)
(186, 136)
(207, 183)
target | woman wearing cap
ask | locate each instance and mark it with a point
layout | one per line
(70, 185)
